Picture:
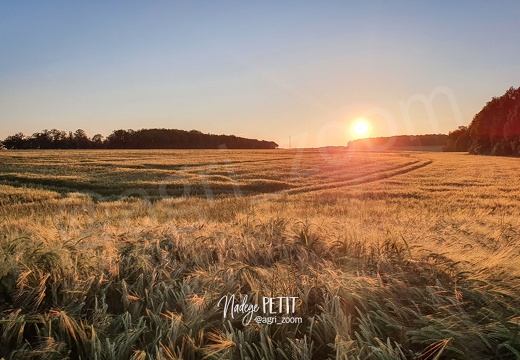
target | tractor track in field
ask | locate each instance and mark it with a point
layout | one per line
(327, 176)
(315, 182)
(368, 178)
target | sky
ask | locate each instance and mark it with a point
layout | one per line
(296, 72)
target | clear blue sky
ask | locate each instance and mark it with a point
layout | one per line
(264, 69)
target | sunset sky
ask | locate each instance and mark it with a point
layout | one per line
(266, 69)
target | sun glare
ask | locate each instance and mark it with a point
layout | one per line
(360, 127)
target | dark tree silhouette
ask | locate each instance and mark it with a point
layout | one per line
(16, 141)
(59, 139)
(97, 141)
(81, 140)
(131, 139)
(398, 142)
(41, 140)
(494, 130)
(458, 140)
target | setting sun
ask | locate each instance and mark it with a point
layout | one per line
(360, 127)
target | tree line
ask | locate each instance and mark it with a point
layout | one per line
(398, 142)
(495, 130)
(132, 139)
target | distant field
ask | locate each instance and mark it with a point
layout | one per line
(156, 174)
(125, 254)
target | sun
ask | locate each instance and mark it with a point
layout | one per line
(360, 127)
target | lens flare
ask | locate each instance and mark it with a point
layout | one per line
(360, 127)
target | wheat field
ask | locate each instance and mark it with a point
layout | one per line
(126, 254)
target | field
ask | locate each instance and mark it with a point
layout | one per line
(126, 254)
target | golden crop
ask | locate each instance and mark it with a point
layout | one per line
(124, 254)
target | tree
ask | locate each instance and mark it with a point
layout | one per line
(458, 140)
(41, 140)
(130, 139)
(120, 139)
(81, 139)
(503, 122)
(97, 141)
(16, 141)
(494, 130)
(58, 139)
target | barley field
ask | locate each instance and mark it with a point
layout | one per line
(127, 254)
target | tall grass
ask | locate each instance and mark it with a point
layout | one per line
(386, 269)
